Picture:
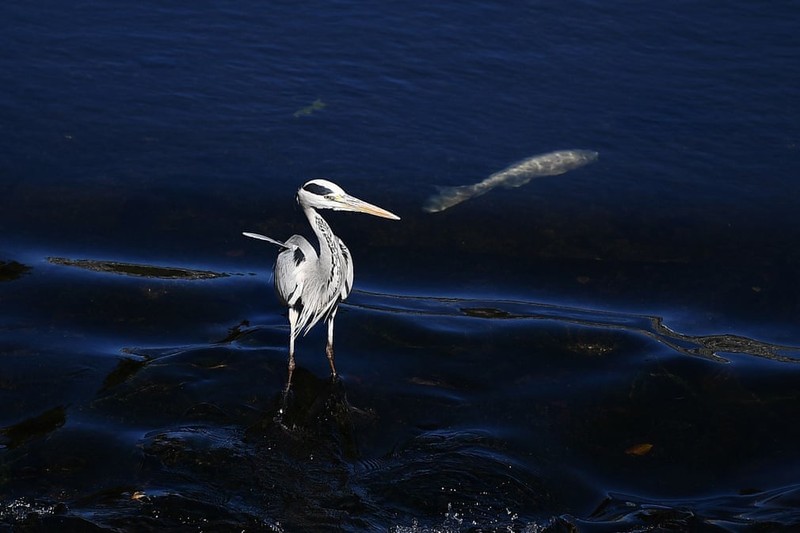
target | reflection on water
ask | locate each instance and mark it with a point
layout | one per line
(453, 414)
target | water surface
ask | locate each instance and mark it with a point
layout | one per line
(610, 349)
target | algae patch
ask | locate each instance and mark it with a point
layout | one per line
(316, 105)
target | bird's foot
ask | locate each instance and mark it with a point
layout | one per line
(283, 407)
(329, 355)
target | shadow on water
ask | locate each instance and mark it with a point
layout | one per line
(11, 270)
(454, 414)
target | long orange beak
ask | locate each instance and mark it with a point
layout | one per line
(351, 203)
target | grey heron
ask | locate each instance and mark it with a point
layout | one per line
(311, 281)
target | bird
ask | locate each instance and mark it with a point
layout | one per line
(313, 281)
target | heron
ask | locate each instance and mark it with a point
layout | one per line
(310, 281)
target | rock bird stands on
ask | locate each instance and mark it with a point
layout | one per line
(312, 281)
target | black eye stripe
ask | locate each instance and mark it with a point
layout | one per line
(316, 188)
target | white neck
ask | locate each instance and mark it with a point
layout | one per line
(328, 242)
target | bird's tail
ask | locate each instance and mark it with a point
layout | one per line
(268, 239)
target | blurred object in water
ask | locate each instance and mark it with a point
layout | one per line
(516, 175)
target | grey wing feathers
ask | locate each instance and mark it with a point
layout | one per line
(298, 285)
(291, 268)
(347, 265)
(298, 282)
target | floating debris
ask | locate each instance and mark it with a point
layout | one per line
(138, 270)
(639, 449)
(316, 105)
(140, 495)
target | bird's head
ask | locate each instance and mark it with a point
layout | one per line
(324, 194)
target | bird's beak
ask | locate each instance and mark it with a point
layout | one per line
(351, 203)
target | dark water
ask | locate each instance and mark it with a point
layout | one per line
(613, 349)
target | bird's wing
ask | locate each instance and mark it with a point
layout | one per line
(292, 270)
(347, 266)
(287, 244)
(326, 297)
(309, 290)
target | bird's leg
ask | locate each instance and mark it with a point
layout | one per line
(329, 345)
(293, 314)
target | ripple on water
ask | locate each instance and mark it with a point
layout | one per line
(453, 414)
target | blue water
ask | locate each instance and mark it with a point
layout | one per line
(505, 363)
